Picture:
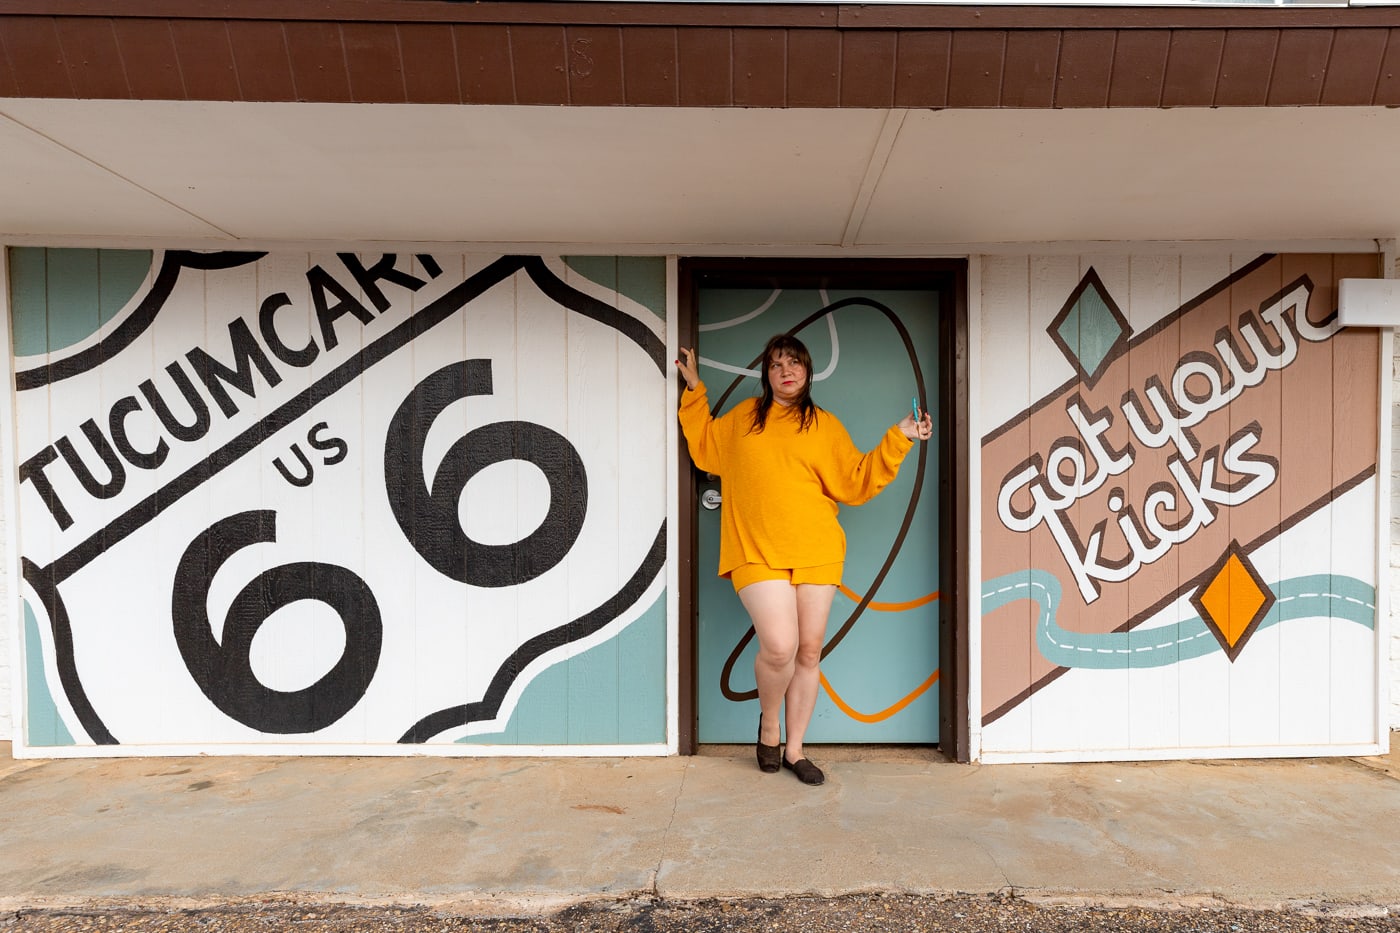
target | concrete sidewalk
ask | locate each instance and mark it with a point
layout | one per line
(501, 835)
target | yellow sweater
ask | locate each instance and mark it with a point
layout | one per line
(781, 487)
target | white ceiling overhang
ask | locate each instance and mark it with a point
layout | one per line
(689, 180)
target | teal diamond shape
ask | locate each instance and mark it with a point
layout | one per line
(1090, 330)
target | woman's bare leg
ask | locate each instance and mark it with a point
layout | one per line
(813, 609)
(772, 605)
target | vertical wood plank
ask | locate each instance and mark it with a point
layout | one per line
(868, 68)
(1058, 717)
(430, 73)
(649, 63)
(921, 78)
(1086, 63)
(1004, 392)
(595, 65)
(1205, 682)
(204, 50)
(1032, 64)
(760, 67)
(814, 68)
(706, 67)
(1255, 673)
(537, 58)
(486, 72)
(262, 60)
(153, 67)
(1154, 687)
(975, 72)
(1356, 399)
(374, 63)
(1306, 461)
(94, 63)
(317, 53)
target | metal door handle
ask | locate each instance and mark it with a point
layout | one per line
(710, 498)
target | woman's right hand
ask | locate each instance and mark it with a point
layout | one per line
(688, 370)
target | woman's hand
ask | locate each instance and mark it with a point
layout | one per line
(920, 430)
(689, 371)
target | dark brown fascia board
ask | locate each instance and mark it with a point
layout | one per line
(780, 15)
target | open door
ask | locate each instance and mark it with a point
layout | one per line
(881, 333)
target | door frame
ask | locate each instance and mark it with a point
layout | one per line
(948, 278)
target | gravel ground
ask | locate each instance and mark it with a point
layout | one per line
(786, 915)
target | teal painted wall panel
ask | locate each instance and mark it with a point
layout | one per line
(615, 693)
(60, 297)
(42, 725)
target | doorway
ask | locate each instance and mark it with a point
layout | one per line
(884, 334)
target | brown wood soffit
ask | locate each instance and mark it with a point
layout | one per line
(699, 55)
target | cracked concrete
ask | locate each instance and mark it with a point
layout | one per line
(492, 832)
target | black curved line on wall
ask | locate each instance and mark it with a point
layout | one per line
(137, 322)
(573, 299)
(588, 623)
(45, 587)
(727, 672)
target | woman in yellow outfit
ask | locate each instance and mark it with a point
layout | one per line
(786, 464)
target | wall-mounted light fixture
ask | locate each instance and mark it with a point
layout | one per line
(1368, 303)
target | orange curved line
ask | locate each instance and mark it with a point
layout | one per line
(884, 713)
(855, 597)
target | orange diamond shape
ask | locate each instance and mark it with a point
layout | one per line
(1234, 600)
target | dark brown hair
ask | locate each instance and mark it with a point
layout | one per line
(779, 345)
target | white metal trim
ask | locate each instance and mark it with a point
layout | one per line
(673, 575)
(1383, 662)
(973, 583)
(9, 496)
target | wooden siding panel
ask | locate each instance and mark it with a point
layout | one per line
(317, 52)
(1353, 68)
(921, 72)
(595, 65)
(868, 68)
(538, 56)
(1086, 63)
(1139, 68)
(649, 67)
(94, 64)
(9, 84)
(205, 54)
(1388, 83)
(1032, 61)
(37, 58)
(706, 67)
(147, 47)
(760, 67)
(1246, 67)
(261, 58)
(429, 64)
(974, 76)
(1301, 67)
(485, 72)
(374, 63)
(814, 67)
(1193, 68)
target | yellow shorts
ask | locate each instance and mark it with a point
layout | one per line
(745, 574)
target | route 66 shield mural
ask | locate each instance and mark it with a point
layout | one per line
(341, 499)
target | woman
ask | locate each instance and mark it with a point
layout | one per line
(786, 464)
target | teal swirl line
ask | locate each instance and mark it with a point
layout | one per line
(1318, 595)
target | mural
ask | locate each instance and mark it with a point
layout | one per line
(874, 351)
(1178, 538)
(345, 499)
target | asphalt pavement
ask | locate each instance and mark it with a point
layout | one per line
(516, 837)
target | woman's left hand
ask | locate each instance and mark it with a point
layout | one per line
(920, 430)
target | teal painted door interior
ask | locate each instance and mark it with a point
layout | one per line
(872, 352)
